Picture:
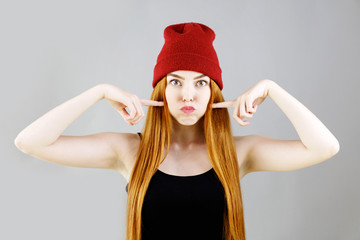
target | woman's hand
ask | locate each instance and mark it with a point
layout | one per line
(120, 99)
(246, 104)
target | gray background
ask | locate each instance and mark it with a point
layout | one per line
(51, 51)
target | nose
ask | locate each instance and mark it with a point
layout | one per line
(188, 94)
(188, 99)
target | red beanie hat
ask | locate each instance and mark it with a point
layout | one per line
(188, 46)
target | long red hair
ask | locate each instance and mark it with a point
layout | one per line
(221, 151)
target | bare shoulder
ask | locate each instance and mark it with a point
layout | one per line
(126, 146)
(243, 144)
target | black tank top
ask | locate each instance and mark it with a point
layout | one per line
(183, 207)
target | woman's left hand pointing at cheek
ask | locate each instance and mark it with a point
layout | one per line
(246, 104)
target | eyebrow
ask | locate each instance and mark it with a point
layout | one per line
(174, 75)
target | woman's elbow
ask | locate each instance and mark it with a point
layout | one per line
(334, 149)
(20, 145)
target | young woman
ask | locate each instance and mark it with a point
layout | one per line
(184, 168)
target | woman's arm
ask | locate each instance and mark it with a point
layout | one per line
(42, 139)
(313, 133)
(317, 143)
(46, 129)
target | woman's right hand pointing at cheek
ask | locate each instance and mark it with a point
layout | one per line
(120, 100)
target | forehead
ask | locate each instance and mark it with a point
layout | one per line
(187, 74)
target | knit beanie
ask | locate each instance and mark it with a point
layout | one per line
(188, 46)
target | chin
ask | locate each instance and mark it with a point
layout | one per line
(187, 121)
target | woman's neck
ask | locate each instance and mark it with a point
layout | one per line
(183, 136)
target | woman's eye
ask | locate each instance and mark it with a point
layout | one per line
(203, 82)
(174, 81)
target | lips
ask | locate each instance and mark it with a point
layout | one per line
(187, 109)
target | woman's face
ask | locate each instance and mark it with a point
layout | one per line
(187, 88)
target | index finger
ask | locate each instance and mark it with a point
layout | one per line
(146, 102)
(223, 104)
